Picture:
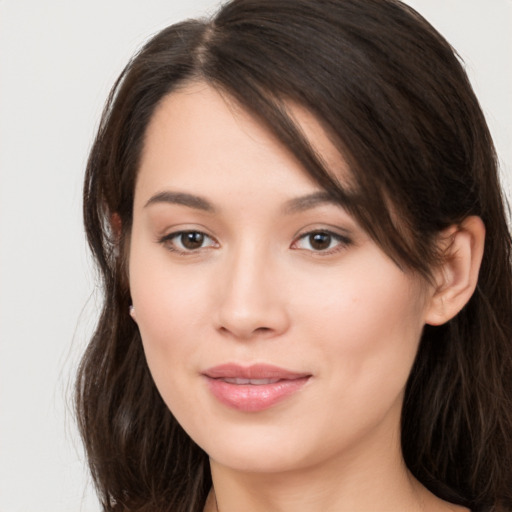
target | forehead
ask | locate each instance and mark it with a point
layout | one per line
(198, 133)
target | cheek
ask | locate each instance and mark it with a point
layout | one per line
(169, 320)
(170, 312)
(364, 334)
(368, 324)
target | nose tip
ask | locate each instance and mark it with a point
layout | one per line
(252, 317)
(251, 304)
(245, 327)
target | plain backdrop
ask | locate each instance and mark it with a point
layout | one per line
(58, 59)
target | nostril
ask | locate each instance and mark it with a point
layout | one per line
(249, 316)
(245, 333)
(262, 329)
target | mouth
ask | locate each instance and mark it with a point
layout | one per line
(253, 382)
(253, 388)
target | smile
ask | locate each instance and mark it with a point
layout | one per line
(254, 388)
(253, 382)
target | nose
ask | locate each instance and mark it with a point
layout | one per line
(251, 298)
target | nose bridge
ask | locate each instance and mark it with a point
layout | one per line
(250, 300)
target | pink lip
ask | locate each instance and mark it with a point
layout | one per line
(253, 397)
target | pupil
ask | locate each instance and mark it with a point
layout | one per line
(320, 241)
(192, 240)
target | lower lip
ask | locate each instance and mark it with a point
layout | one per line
(254, 398)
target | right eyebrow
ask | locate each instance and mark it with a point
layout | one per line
(190, 200)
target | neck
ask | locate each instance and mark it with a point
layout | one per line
(369, 474)
(377, 481)
(409, 495)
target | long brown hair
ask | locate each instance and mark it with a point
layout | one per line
(397, 103)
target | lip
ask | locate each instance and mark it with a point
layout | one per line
(227, 384)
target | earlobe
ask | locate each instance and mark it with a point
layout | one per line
(457, 276)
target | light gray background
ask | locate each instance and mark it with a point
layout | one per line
(58, 59)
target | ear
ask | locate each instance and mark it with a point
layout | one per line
(456, 278)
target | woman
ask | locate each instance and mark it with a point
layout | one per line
(306, 263)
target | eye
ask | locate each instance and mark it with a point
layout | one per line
(187, 241)
(321, 241)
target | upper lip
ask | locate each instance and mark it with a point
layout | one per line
(255, 371)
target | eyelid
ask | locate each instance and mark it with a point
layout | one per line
(166, 241)
(344, 240)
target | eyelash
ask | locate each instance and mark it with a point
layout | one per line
(340, 242)
(169, 242)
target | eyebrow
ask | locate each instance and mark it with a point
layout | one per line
(295, 205)
(190, 200)
(307, 202)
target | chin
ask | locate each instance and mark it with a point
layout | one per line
(260, 450)
(268, 461)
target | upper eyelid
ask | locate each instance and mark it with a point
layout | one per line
(327, 231)
(319, 228)
(169, 244)
(173, 231)
(344, 240)
(174, 234)
(334, 234)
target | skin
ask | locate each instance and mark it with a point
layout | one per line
(258, 290)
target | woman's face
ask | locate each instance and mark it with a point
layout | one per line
(277, 332)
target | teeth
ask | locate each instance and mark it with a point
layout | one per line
(237, 381)
(254, 382)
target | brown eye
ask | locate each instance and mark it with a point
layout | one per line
(320, 241)
(325, 242)
(184, 242)
(192, 240)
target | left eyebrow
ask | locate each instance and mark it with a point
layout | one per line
(190, 200)
(309, 201)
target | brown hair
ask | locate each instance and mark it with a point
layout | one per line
(394, 98)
